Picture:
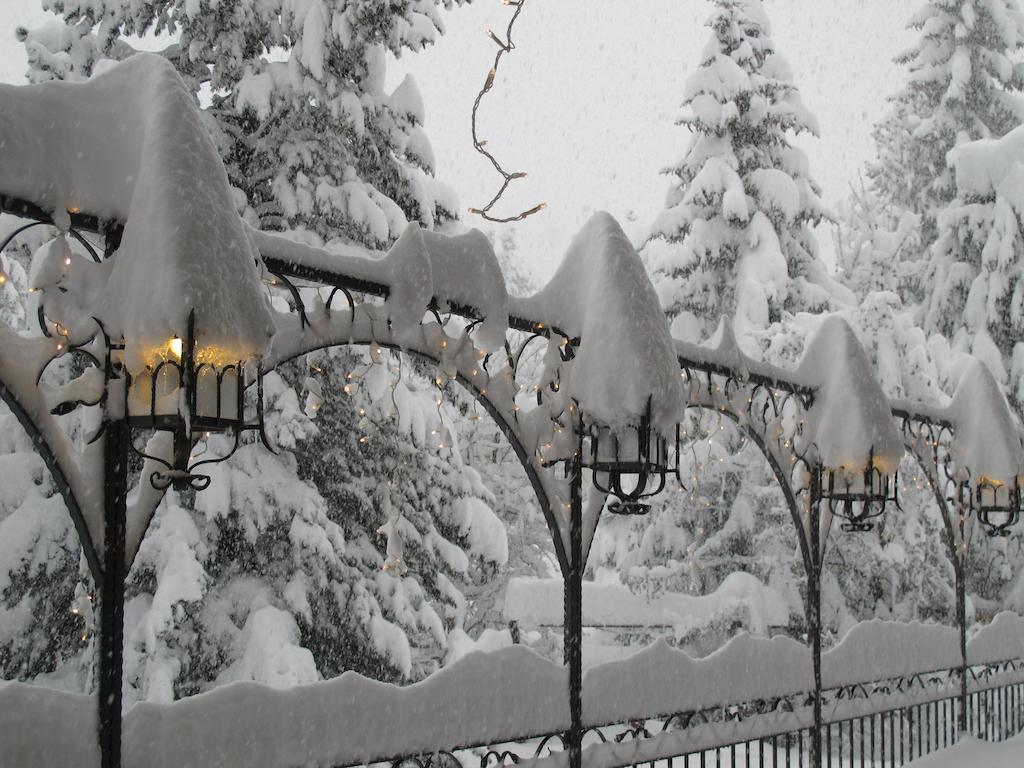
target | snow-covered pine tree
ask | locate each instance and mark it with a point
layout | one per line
(313, 141)
(871, 242)
(963, 83)
(736, 236)
(40, 557)
(976, 266)
(736, 239)
(39, 567)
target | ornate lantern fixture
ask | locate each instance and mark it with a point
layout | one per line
(635, 461)
(190, 391)
(855, 495)
(997, 504)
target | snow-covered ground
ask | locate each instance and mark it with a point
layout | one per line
(974, 753)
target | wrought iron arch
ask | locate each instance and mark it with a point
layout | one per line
(783, 481)
(762, 403)
(524, 456)
(60, 478)
(923, 438)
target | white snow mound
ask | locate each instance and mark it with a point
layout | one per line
(985, 440)
(850, 415)
(601, 293)
(129, 144)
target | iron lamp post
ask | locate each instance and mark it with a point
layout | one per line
(857, 496)
(190, 391)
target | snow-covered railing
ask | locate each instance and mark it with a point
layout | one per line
(513, 699)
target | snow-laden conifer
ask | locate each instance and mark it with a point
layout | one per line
(963, 83)
(736, 236)
(296, 97)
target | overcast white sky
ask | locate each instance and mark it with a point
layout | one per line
(586, 103)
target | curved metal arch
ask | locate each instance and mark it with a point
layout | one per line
(53, 464)
(49, 223)
(941, 502)
(780, 475)
(524, 456)
(925, 464)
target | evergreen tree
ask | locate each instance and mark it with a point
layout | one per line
(977, 263)
(964, 87)
(963, 84)
(736, 240)
(312, 142)
(736, 236)
(42, 573)
(871, 243)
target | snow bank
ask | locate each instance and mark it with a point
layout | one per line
(985, 439)
(351, 719)
(129, 144)
(538, 602)
(1000, 640)
(481, 697)
(41, 726)
(973, 751)
(601, 293)
(878, 650)
(851, 414)
(662, 680)
(346, 721)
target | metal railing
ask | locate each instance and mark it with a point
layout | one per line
(880, 724)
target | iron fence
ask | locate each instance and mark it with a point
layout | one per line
(878, 724)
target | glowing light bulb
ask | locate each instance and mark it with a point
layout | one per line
(175, 346)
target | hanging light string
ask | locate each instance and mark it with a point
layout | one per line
(504, 46)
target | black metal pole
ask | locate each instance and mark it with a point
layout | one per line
(814, 613)
(959, 558)
(573, 606)
(111, 661)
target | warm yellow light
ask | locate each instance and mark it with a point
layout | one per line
(175, 346)
(990, 481)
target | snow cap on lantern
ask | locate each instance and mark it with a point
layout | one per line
(850, 421)
(625, 363)
(849, 428)
(987, 449)
(151, 164)
(180, 299)
(624, 373)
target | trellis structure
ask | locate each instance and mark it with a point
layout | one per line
(767, 404)
(551, 439)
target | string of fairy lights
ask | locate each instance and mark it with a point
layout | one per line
(504, 46)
